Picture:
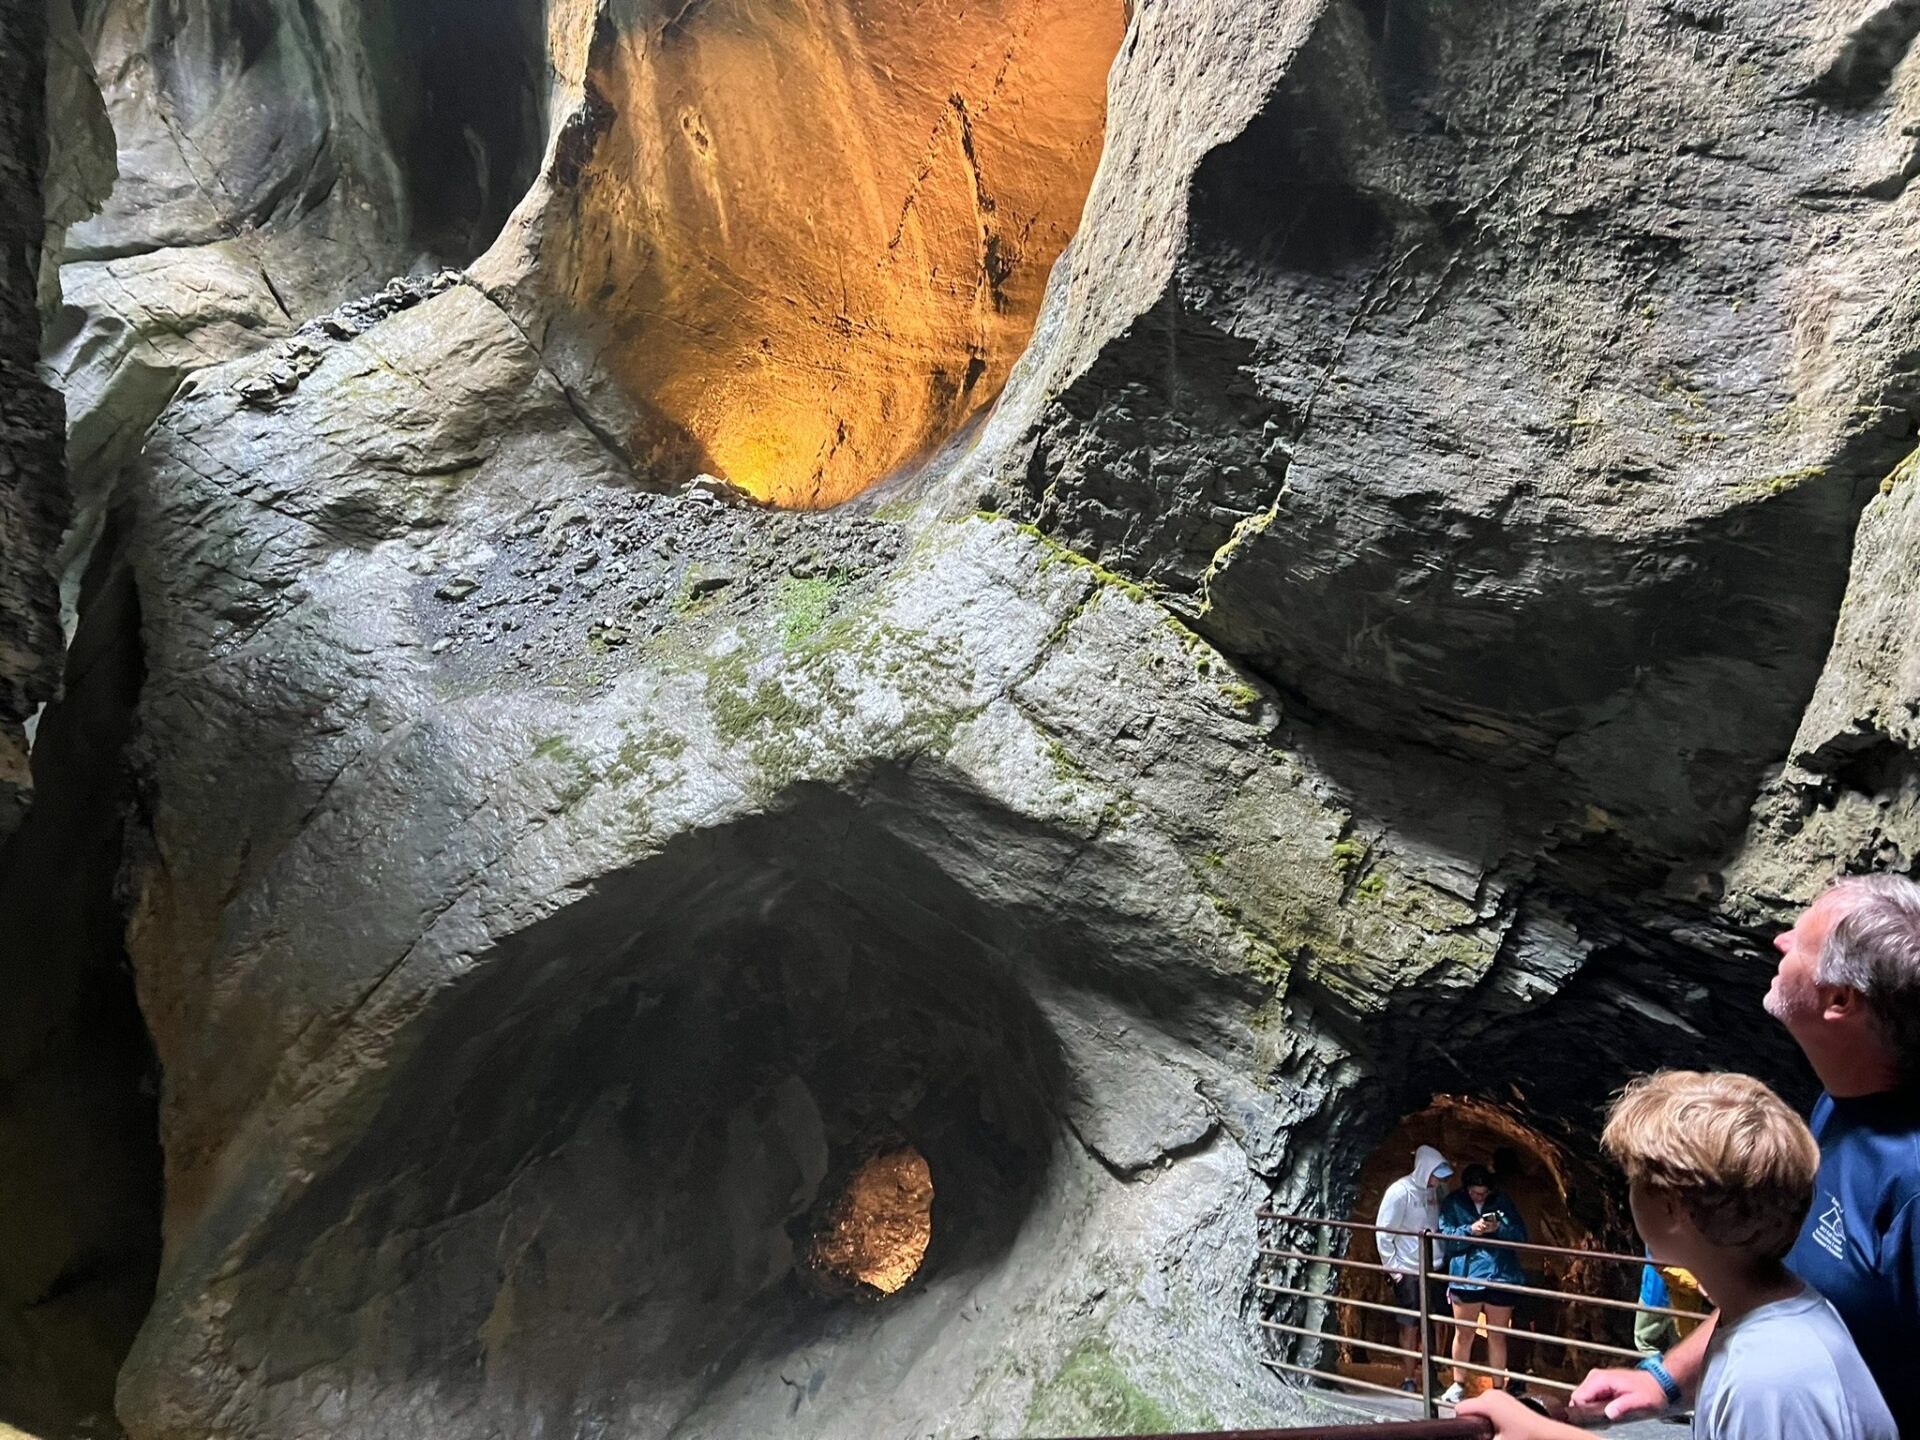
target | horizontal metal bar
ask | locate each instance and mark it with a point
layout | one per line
(1336, 1224)
(1547, 1337)
(1412, 1316)
(1439, 1361)
(1572, 1298)
(1464, 1427)
(1543, 1336)
(1613, 1255)
(1312, 1259)
(1569, 1296)
(1338, 1379)
(1339, 1339)
(1460, 1427)
(1442, 1362)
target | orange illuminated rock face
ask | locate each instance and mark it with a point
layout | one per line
(880, 1227)
(815, 237)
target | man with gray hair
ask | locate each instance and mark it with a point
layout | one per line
(1848, 991)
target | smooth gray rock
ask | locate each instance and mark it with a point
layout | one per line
(1848, 798)
(1408, 548)
(1506, 386)
(1000, 843)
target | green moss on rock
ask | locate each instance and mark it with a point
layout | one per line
(805, 605)
(1092, 1394)
(1348, 856)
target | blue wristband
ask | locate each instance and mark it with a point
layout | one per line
(1668, 1385)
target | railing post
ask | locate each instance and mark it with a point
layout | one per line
(1427, 1406)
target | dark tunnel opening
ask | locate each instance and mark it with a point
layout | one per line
(466, 95)
(1525, 1092)
(1564, 1195)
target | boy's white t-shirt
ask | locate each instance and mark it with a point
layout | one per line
(1789, 1371)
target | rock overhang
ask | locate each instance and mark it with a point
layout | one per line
(561, 681)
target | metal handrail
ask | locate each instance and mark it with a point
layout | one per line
(1402, 1310)
(1428, 1321)
(1415, 1355)
(1466, 1427)
(1572, 1296)
(1614, 1255)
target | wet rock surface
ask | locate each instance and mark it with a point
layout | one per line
(32, 498)
(1360, 657)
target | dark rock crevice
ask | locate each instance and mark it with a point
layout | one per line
(79, 1081)
(33, 499)
(464, 89)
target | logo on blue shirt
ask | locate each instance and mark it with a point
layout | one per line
(1830, 1232)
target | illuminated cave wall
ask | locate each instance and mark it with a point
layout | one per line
(815, 237)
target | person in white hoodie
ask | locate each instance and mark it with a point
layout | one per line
(1411, 1203)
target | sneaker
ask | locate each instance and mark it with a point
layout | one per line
(1453, 1394)
(1412, 1387)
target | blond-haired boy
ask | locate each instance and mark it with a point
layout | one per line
(1720, 1175)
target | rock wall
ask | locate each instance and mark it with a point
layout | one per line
(1359, 656)
(77, 1123)
(1467, 416)
(32, 498)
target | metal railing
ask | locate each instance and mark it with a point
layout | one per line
(1424, 1316)
(1465, 1428)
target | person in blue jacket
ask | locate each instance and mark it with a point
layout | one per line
(1474, 1213)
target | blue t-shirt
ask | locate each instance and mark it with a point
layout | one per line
(1653, 1287)
(1861, 1244)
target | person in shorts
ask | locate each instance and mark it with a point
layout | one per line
(1471, 1216)
(1410, 1204)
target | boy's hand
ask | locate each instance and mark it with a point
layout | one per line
(1512, 1420)
(1619, 1394)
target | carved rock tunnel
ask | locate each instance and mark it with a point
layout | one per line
(617, 1172)
(803, 287)
(1561, 1191)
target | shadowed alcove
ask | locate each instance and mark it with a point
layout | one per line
(465, 89)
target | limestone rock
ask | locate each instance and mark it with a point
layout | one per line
(1449, 397)
(1849, 797)
(43, 187)
(1340, 667)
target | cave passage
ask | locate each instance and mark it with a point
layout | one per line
(818, 236)
(877, 1231)
(1563, 1195)
(465, 93)
(678, 1131)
